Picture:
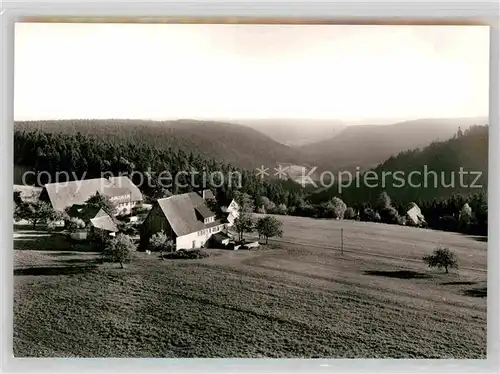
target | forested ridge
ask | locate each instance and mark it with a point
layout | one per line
(239, 145)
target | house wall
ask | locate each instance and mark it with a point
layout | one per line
(415, 215)
(154, 222)
(199, 238)
(234, 213)
(123, 204)
(123, 207)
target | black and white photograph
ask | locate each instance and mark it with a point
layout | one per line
(250, 190)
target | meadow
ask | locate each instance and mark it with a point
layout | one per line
(299, 297)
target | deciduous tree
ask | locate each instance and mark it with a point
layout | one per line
(268, 227)
(102, 202)
(441, 258)
(119, 249)
(243, 224)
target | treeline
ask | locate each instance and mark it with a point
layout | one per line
(467, 214)
(89, 157)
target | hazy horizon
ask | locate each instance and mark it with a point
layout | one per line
(352, 74)
(355, 122)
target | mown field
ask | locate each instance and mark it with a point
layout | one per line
(305, 299)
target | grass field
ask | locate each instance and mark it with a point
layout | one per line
(305, 299)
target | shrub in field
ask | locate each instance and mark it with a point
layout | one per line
(187, 254)
(119, 249)
(389, 215)
(441, 258)
(349, 213)
(281, 209)
(370, 215)
(160, 242)
(268, 227)
(99, 239)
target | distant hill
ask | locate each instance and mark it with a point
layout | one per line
(469, 151)
(294, 132)
(238, 145)
(366, 146)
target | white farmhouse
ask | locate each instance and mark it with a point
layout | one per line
(185, 218)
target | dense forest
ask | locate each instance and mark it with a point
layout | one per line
(239, 145)
(89, 156)
(440, 161)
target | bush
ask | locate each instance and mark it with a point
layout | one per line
(160, 242)
(281, 210)
(349, 213)
(187, 254)
(100, 238)
(51, 226)
(441, 258)
(261, 210)
(137, 210)
(389, 215)
(131, 230)
(368, 214)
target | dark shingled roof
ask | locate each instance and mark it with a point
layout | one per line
(180, 211)
(85, 212)
(66, 194)
(204, 212)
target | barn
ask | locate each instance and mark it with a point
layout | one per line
(185, 218)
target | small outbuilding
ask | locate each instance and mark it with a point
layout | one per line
(414, 215)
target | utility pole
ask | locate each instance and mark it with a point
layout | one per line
(342, 241)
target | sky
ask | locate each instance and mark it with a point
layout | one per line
(166, 71)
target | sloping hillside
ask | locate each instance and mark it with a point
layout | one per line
(440, 161)
(235, 144)
(367, 146)
(295, 132)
